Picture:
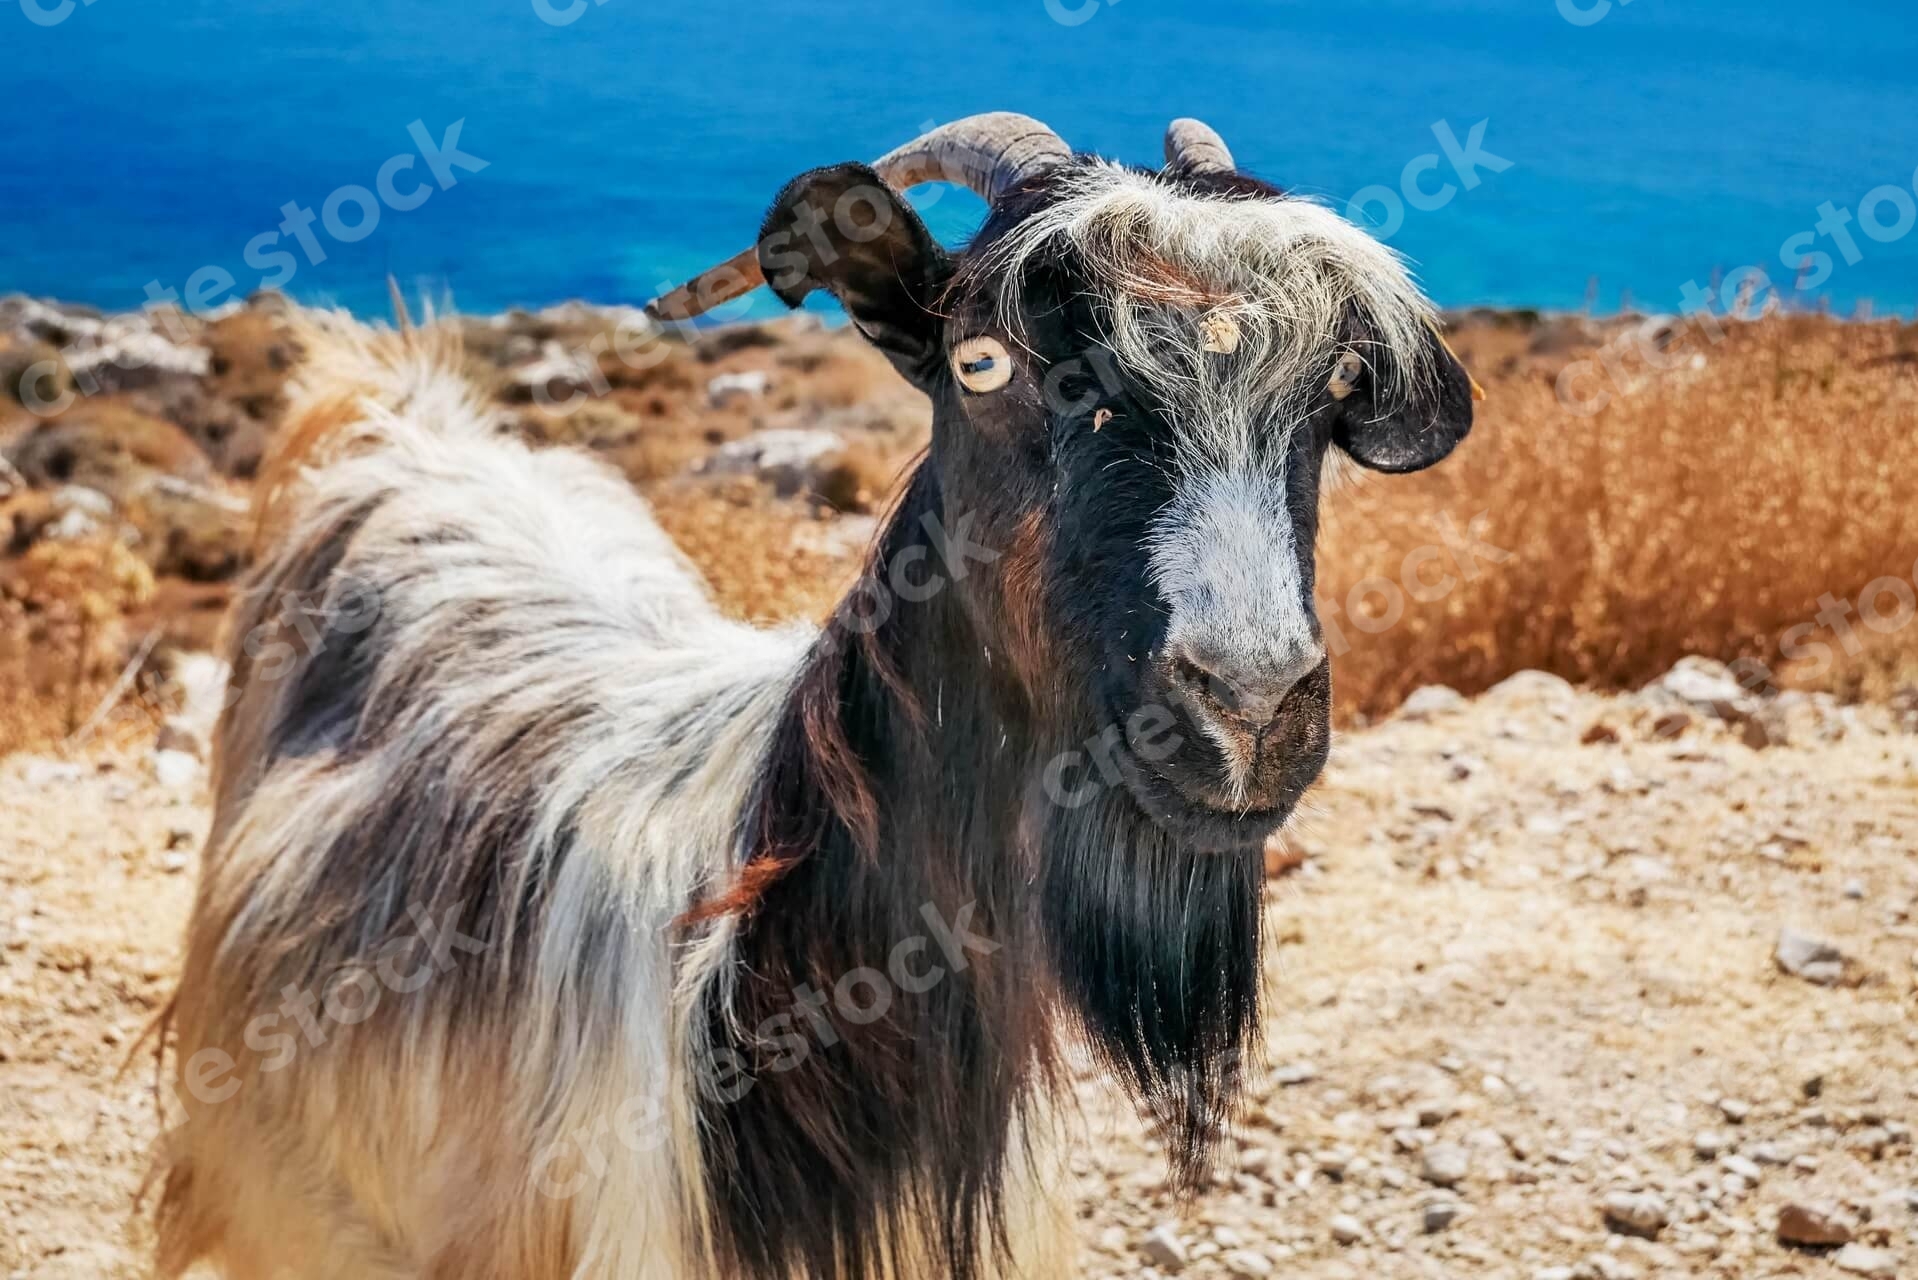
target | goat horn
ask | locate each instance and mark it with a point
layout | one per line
(990, 154)
(1193, 147)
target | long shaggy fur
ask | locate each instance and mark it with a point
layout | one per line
(475, 686)
(1161, 257)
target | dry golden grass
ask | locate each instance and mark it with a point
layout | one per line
(1704, 510)
(757, 555)
(63, 634)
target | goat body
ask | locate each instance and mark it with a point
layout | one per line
(442, 1012)
(553, 927)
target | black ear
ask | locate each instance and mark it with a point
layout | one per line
(844, 230)
(1413, 430)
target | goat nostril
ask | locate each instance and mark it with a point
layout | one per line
(1213, 686)
(1236, 697)
(1252, 695)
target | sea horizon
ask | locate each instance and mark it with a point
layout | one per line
(521, 147)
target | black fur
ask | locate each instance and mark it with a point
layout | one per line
(919, 764)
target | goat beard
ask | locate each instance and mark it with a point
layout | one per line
(1157, 953)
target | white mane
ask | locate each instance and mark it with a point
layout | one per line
(1289, 273)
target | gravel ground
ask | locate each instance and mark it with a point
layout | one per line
(1529, 1014)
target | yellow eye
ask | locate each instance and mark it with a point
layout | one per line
(1345, 375)
(981, 365)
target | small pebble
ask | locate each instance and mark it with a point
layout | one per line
(1603, 1266)
(1637, 1213)
(175, 770)
(1333, 1164)
(1163, 1249)
(1347, 1229)
(1871, 1141)
(1244, 1262)
(1445, 1164)
(1812, 959)
(1816, 1225)
(1863, 1261)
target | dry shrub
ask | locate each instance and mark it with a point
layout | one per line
(63, 639)
(837, 373)
(233, 412)
(250, 357)
(753, 549)
(109, 443)
(196, 533)
(857, 479)
(20, 355)
(1704, 510)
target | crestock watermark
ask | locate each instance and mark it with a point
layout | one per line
(1076, 15)
(1427, 574)
(563, 14)
(351, 994)
(1837, 621)
(1585, 15)
(1748, 293)
(1465, 158)
(909, 575)
(51, 15)
(348, 215)
(810, 1023)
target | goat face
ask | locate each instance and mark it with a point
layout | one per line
(1138, 380)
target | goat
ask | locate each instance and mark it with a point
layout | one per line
(552, 925)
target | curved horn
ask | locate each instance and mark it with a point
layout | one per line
(989, 153)
(1193, 146)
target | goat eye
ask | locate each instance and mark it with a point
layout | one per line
(982, 364)
(1345, 375)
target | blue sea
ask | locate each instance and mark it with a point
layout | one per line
(1639, 144)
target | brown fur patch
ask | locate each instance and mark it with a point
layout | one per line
(299, 444)
(1022, 582)
(813, 764)
(1154, 279)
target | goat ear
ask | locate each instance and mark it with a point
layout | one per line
(844, 230)
(1416, 428)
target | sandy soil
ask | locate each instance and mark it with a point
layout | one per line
(1518, 973)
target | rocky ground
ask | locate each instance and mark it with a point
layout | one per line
(1530, 1016)
(1565, 986)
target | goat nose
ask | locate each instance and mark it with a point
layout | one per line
(1248, 688)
